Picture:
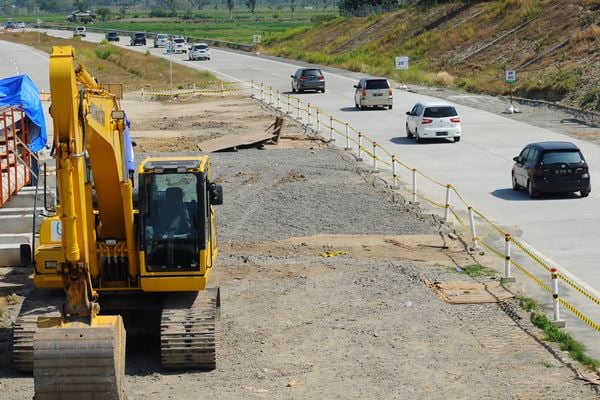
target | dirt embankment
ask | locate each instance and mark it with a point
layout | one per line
(323, 287)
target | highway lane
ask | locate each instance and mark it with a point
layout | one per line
(563, 228)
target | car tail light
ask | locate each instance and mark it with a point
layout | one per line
(302, 78)
(321, 78)
(456, 120)
(390, 92)
(426, 121)
(364, 93)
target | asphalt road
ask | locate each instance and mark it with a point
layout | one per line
(563, 228)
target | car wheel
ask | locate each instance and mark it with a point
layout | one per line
(293, 90)
(533, 194)
(323, 90)
(390, 106)
(362, 107)
(585, 192)
(456, 139)
(515, 185)
(419, 140)
(408, 134)
(356, 105)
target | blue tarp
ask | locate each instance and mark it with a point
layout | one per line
(21, 91)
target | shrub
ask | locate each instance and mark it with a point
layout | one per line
(103, 52)
(444, 78)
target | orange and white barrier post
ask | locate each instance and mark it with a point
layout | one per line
(308, 123)
(414, 187)
(556, 321)
(270, 94)
(318, 122)
(331, 138)
(507, 272)
(298, 117)
(375, 170)
(447, 205)
(347, 148)
(262, 92)
(359, 157)
(394, 185)
(278, 100)
(222, 89)
(289, 105)
(473, 231)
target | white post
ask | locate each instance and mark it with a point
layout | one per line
(252, 88)
(289, 105)
(318, 122)
(278, 100)
(473, 231)
(331, 138)
(507, 272)
(557, 321)
(308, 115)
(447, 205)
(359, 157)
(194, 89)
(298, 106)
(270, 95)
(171, 73)
(262, 92)
(394, 185)
(142, 93)
(347, 148)
(375, 170)
(222, 89)
(414, 187)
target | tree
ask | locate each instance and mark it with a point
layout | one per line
(230, 5)
(104, 13)
(292, 7)
(200, 4)
(81, 5)
(251, 4)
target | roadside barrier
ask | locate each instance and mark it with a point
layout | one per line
(451, 202)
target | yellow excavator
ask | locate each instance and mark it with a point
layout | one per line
(154, 249)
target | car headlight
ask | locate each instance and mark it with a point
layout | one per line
(585, 175)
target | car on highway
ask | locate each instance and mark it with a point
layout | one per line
(137, 38)
(551, 167)
(9, 25)
(20, 25)
(373, 92)
(79, 31)
(199, 51)
(179, 45)
(308, 79)
(161, 40)
(112, 36)
(433, 120)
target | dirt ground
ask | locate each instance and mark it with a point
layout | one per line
(323, 282)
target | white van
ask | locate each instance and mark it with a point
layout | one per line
(79, 31)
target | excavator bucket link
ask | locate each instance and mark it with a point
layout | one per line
(188, 330)
(80, 362)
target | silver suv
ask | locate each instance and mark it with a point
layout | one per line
(199, 51)
(373, 92)
(161, 40)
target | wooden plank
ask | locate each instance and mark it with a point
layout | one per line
(234, 141)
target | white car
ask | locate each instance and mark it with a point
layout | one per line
(199, 51)
(79, 31)
(433, 120)
(161, 40)
(20, 25)
(180, 45)
(373, 92)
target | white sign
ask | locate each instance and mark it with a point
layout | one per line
(401, 62)
(55, 231)
(255, 38)
(170, 48)
(511, 76)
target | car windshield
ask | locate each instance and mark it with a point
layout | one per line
(565, 157)
(201, 47)
(162, 37)
(440, 112)
(179, 41)
(311, 72)
(377, 84)
(139, 35)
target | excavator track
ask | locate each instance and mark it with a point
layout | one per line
(38, 304)
(188, 330)
(77, 361)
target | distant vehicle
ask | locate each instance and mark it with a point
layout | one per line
(138, 38)
(199, 51)
(161, 40)
(112, 36)
(180, 45)
(20, 25)
(551, 167)
(308, 79)
(9, 25)
(79, 31)
(373, 92)
(433, 120)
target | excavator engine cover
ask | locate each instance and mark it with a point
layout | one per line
(76, 361)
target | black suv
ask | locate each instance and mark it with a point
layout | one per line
(551, 167)
(113, 37)
(138, 38)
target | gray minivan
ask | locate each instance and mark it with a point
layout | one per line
(373, 92)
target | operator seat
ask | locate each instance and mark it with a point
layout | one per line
(174, 217)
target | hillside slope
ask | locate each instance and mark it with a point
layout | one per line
(553, 44)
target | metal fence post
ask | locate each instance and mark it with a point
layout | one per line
(375, 170)
(318, 122)
(298, 117)
(360, 137)
(447, 205)
(394, 185)
(557, 321)
(507, 273)
(308, 115)
(252, 88)
(473, 231)
(278, 100)
(347, 148)
(414, 187)
(331, 138)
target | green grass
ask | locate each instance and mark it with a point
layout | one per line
(476, 270)
(566, 342)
